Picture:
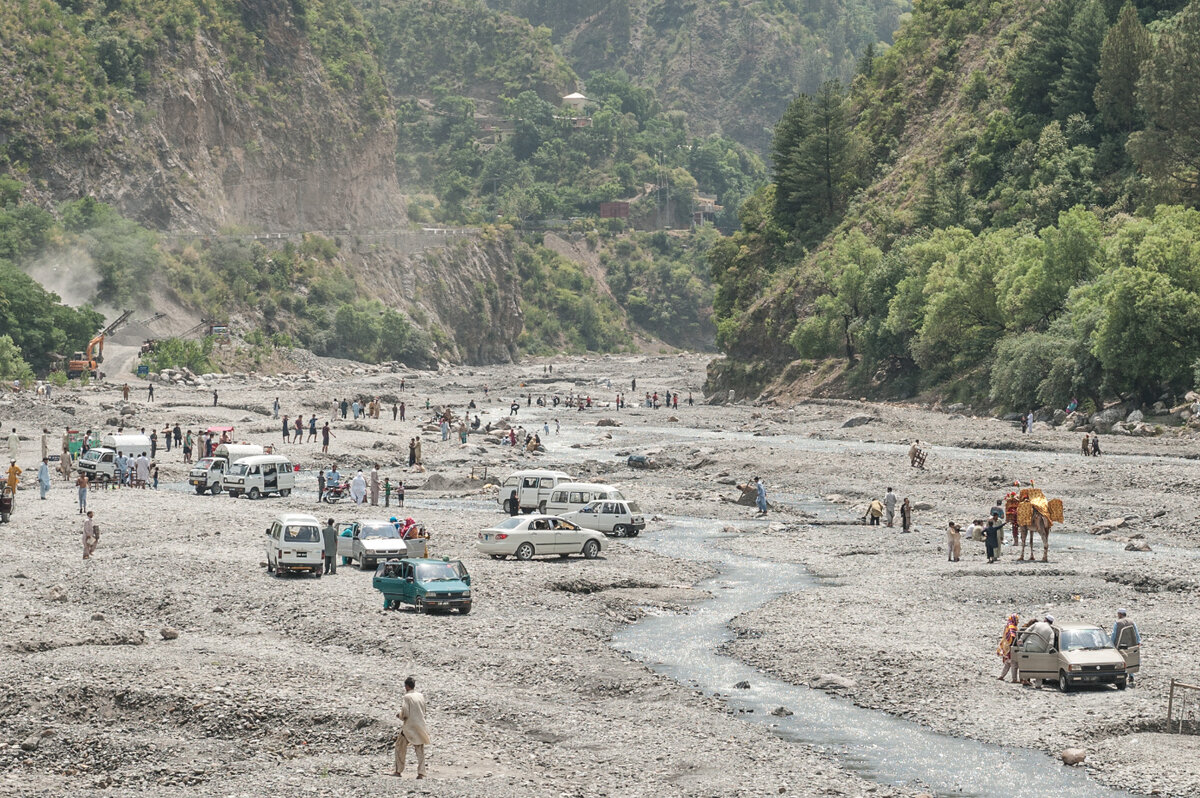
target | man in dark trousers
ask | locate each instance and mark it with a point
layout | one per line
(329, 536)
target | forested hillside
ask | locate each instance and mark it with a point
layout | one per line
(1000, 208)
(732, 66)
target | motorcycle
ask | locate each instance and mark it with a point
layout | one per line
(335, 493)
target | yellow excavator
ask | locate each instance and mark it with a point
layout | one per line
(88, 362)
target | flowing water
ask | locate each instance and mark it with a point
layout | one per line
(878, 746)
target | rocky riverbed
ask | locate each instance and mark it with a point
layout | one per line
(171, 663)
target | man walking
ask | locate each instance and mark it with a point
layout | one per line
(91, 536)
(413, 731)
(82, 485)
(326, 434)
(44, 477)
(275, 407)
(150, 392)
(889, 504)
(329, 537)
(14, 445)
(320, 484)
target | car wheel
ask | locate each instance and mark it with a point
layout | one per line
(419, 604)
(542, 508)
(253, 494)
(285, 492)
(633, 533)
(525, 551)
(1122, 684)
(499, 556)
(363, 564)
(508, 506)
(591, 549)
(1064, 685)
(465, 610)
(215, 489)
(620, 530)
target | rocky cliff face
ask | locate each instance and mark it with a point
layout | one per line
(204, 153)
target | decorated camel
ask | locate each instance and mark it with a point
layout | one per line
(1030, 511)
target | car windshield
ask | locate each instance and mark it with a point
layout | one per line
(92, 454)
(510, 523)
(367, 531)
(1087, 640)
(437, 572)
(295, 533)
(1083, 640)
(238, 469)
(205, 463)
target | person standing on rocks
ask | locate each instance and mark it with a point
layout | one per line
(420, 461)
(150, 392)
(329, 538)
(287, 429)
(125, 392)
(1087, 449)
(1004, 650)
(412, 452)
(954, 542)
(214, 397)
(1122, 639)
(905, 516)
(889, 504)
(760, 498)
(413, 731)
(375, 486)
(14, 445)
(312, 429)
(1095, 445)
(326, 434)
(91, 536)
(82, 484)
(44, 477)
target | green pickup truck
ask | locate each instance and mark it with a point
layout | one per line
(425, 584)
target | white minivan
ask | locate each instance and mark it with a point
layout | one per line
(208, 473)
(568, 496)
(533, 489)
(260, 475)
(294, 544)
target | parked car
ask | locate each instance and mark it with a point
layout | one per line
(207, 473)
(369, 542)
(616, 518)
(524, 537)
(533, 489)
(425, 584)
(260, 475)
(569, 496)
(1079, 654)
(294, 544)
(100, 463)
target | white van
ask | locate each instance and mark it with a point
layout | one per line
(568, 496)
(208, 473)
(294, 544)
(99, 464)
(533, 489)
(260, 475)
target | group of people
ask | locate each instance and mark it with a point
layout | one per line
(884, 510)
(1042, 629)
(360, 487)
(1090, 445)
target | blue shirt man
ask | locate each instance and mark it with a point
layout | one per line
(761, 495)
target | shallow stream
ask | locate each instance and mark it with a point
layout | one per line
(878, 746)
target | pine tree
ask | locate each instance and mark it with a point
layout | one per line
(1074, 88)
(1125, 49)
(1033, 74)
(1168, 150)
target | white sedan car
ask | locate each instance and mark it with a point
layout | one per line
(525, 536)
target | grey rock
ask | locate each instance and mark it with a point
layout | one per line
(168, 633)
(830, 681)
(1073, 756)
(742, 686)
(857, 421)
(1136, 417)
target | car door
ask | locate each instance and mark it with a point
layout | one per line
(345, 544)
(272, 534)
(541, 534)
(568, 538)
(608, 516)
(528, 497)
(1130, 649)
(1033, 661)
(408, 583)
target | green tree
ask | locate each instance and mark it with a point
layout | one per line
(1126, 47)
(1073, 90)
(1168, 91)
(1034, 73)
(12, 365)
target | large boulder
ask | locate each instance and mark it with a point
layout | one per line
(1073, 756)
(1135, 417)
(1104, 419)
(858, 421)
(1060, 416)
